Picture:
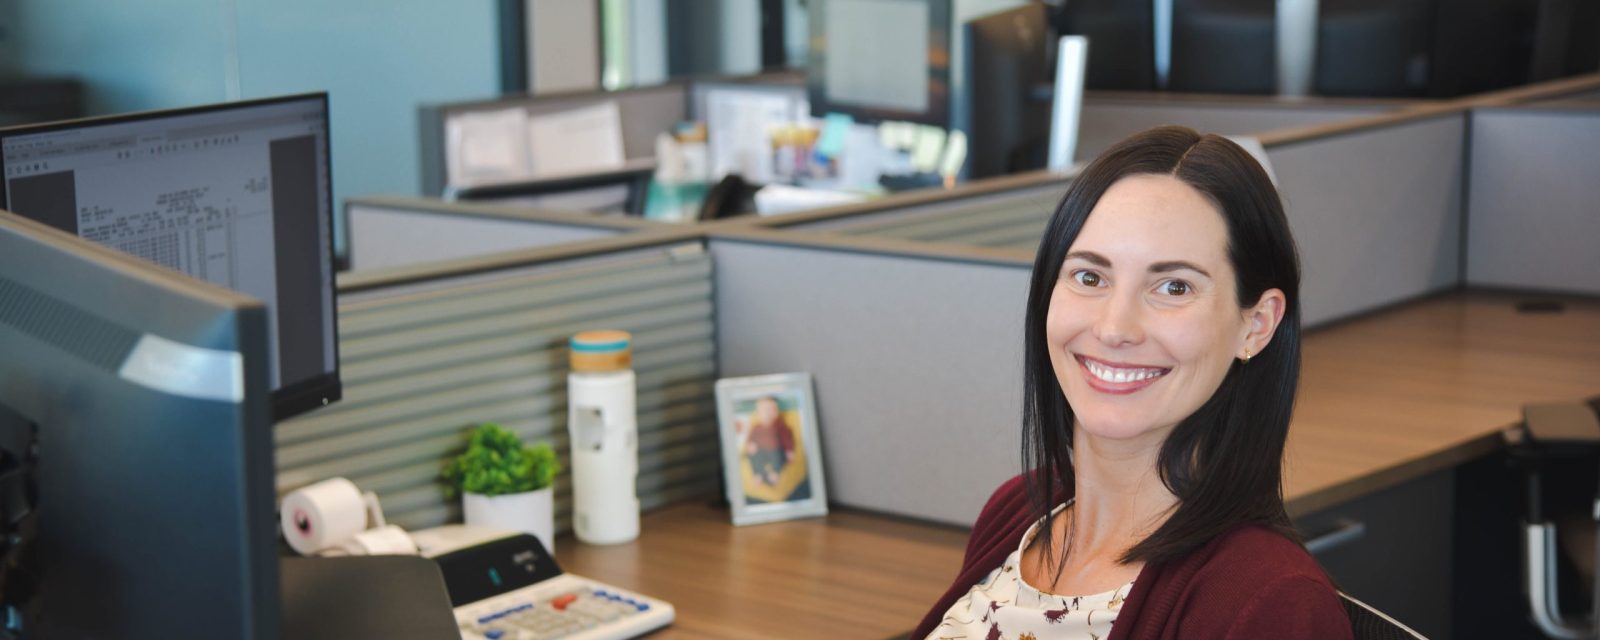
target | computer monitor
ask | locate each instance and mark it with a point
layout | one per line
(1010, 69)
(880, 60)
(147, 394)
(235, 194)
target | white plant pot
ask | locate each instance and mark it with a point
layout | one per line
(530, 512)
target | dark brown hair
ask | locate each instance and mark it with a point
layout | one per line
(1224, 462)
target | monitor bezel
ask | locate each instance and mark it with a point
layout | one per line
(288, 400)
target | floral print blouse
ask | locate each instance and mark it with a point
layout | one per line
(1004, 607)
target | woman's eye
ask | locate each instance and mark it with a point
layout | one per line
(1087, 278)
(1176, 288)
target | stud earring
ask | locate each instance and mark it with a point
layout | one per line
(1246, 356)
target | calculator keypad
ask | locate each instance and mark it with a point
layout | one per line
(559, 616)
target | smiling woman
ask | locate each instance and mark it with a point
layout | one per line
(1162, 354)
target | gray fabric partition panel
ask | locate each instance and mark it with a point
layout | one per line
(916, 362)
(423, 363)
(1534, 208)
(382, 236)
(1376, 214)
(1011, 219)
(1105, 123)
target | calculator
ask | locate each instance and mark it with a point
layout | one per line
(506, 586)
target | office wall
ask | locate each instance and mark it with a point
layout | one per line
(131, 56)
(1534, 209)
(378, 59)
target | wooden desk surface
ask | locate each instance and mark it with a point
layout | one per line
(1426, 386)
(798, 579)
(1384, 399)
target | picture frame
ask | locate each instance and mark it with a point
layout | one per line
(771, 450)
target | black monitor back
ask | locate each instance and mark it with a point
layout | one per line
(148, 393)
(1009, 70)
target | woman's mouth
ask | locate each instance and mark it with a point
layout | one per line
(1118, 378)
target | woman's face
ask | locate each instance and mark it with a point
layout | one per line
(1144, 321)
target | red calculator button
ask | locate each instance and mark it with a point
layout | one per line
(561, 602)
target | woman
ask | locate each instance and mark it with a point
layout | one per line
(1162, 355)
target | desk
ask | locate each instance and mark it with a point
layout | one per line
(1384, 399)
(782, 580)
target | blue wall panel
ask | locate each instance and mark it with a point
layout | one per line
(377, 59)
(131, 56)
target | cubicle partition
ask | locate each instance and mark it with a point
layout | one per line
(1376, 211)
(1533, 214)
(1012, 217)
(427, 352)
(386, 232)
(915, 353)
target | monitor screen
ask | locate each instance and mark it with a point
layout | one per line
(234, 194)
(881, 60)
(144, 396)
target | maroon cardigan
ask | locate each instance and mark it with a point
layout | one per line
(1248, 583)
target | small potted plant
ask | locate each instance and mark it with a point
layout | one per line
(505, 484)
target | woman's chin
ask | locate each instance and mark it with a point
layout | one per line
(1116, 427)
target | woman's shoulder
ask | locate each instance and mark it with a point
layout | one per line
(1257, 552)
(1264, 580)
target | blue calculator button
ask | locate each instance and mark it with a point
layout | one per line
(644, 607)
(601, 592)
(493, 634)
(487, 619)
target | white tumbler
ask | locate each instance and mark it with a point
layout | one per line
(603, 424)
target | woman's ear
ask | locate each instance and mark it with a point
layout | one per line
(1261, 321)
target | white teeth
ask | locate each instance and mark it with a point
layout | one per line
(1117, 376)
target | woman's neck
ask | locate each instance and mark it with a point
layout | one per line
(1120, 499)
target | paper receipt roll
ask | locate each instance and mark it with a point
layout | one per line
(385, 540)
(323, 515)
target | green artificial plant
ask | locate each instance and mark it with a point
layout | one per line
(497, 463)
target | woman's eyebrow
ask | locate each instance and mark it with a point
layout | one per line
(1175, 265)
(1090, 257)
(1159, 267)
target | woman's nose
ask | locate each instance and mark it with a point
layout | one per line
(1119, 321)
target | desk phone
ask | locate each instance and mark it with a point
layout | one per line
(505, 586)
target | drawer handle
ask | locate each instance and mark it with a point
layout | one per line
(1346, 532)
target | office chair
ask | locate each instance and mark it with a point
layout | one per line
(1371, 624)
(1372, 47)
(1552, 435)
(1122, 36)
(730, 197)
(1223, 46)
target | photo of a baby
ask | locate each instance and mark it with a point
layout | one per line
(771, 448)
(774, 467)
